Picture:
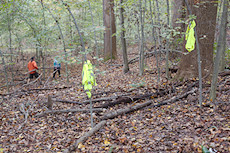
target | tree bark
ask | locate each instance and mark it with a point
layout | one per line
(178, 15)
(123, 40)
(220, 50)
(141, 54)
(109, 29)
(206, 23)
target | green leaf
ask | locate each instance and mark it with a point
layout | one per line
(205, 150)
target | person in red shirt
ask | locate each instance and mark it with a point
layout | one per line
(32, 66)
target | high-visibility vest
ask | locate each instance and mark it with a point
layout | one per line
(190, 44)
(88, 79)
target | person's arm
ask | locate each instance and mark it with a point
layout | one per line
(35, 65)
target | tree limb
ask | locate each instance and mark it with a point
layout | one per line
(67, 111)
(125, 111)
(84, 137)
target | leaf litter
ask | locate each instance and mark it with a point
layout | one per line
(176, 127)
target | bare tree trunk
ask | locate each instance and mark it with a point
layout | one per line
(223, 53)
(107, 6)
(10, 46)
(6, 76)
(220, 50)
(167, 45)
(63, 41)
(141, 59)
(78, 30)
(155, 41)
(42, 49)
(123, 40)
(95, 38)
(178, 15)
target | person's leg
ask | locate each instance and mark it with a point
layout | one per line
(59, 72)
(36, 74)
(30, 77)
(54, 73)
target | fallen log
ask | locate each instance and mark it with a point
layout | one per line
(127, 100)
(224, 73)
(67, 101)
(67, 111)
(104, 99)
(56, 88)
(125, 111)
(173, 99)
(85, 136)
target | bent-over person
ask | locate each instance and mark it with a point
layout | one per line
(32, 67)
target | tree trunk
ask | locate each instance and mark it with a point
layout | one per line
(220, 49)
(141, 59)
(167, 45)
(123, 40)
(109, 29)
(223, 54)
(95, 38)
(205, 25)
(178, 14)
(155, 40)
(4, 67)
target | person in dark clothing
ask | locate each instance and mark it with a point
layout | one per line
(57, 67)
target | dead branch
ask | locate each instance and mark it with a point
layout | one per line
(67, 111)
(224, 73)
(174, 99)
(85, 136)
(127, 100)
(104, 99)
(125, 111)
(49, 78)
(67, 101)
(25, 112)
(22, 86)
(56, 88)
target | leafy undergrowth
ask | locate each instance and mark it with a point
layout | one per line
(176, 127)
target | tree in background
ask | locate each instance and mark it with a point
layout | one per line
(205, 12)
(110, 51)
(123, 40)
(220, 49)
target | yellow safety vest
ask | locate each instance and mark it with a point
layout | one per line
(88, 79)
(190, 44)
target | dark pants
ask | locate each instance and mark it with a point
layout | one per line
(55, 70)
(36, 75)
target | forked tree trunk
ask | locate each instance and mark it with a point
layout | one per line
(110, 28)
(205, 26)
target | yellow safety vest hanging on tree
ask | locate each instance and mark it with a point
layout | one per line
(190, 44)
(88, 79)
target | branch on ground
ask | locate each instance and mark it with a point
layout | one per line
(67, 111)
(85, 136)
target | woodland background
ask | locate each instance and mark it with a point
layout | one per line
(152, 94)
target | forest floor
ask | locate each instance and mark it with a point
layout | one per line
(179, 125)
